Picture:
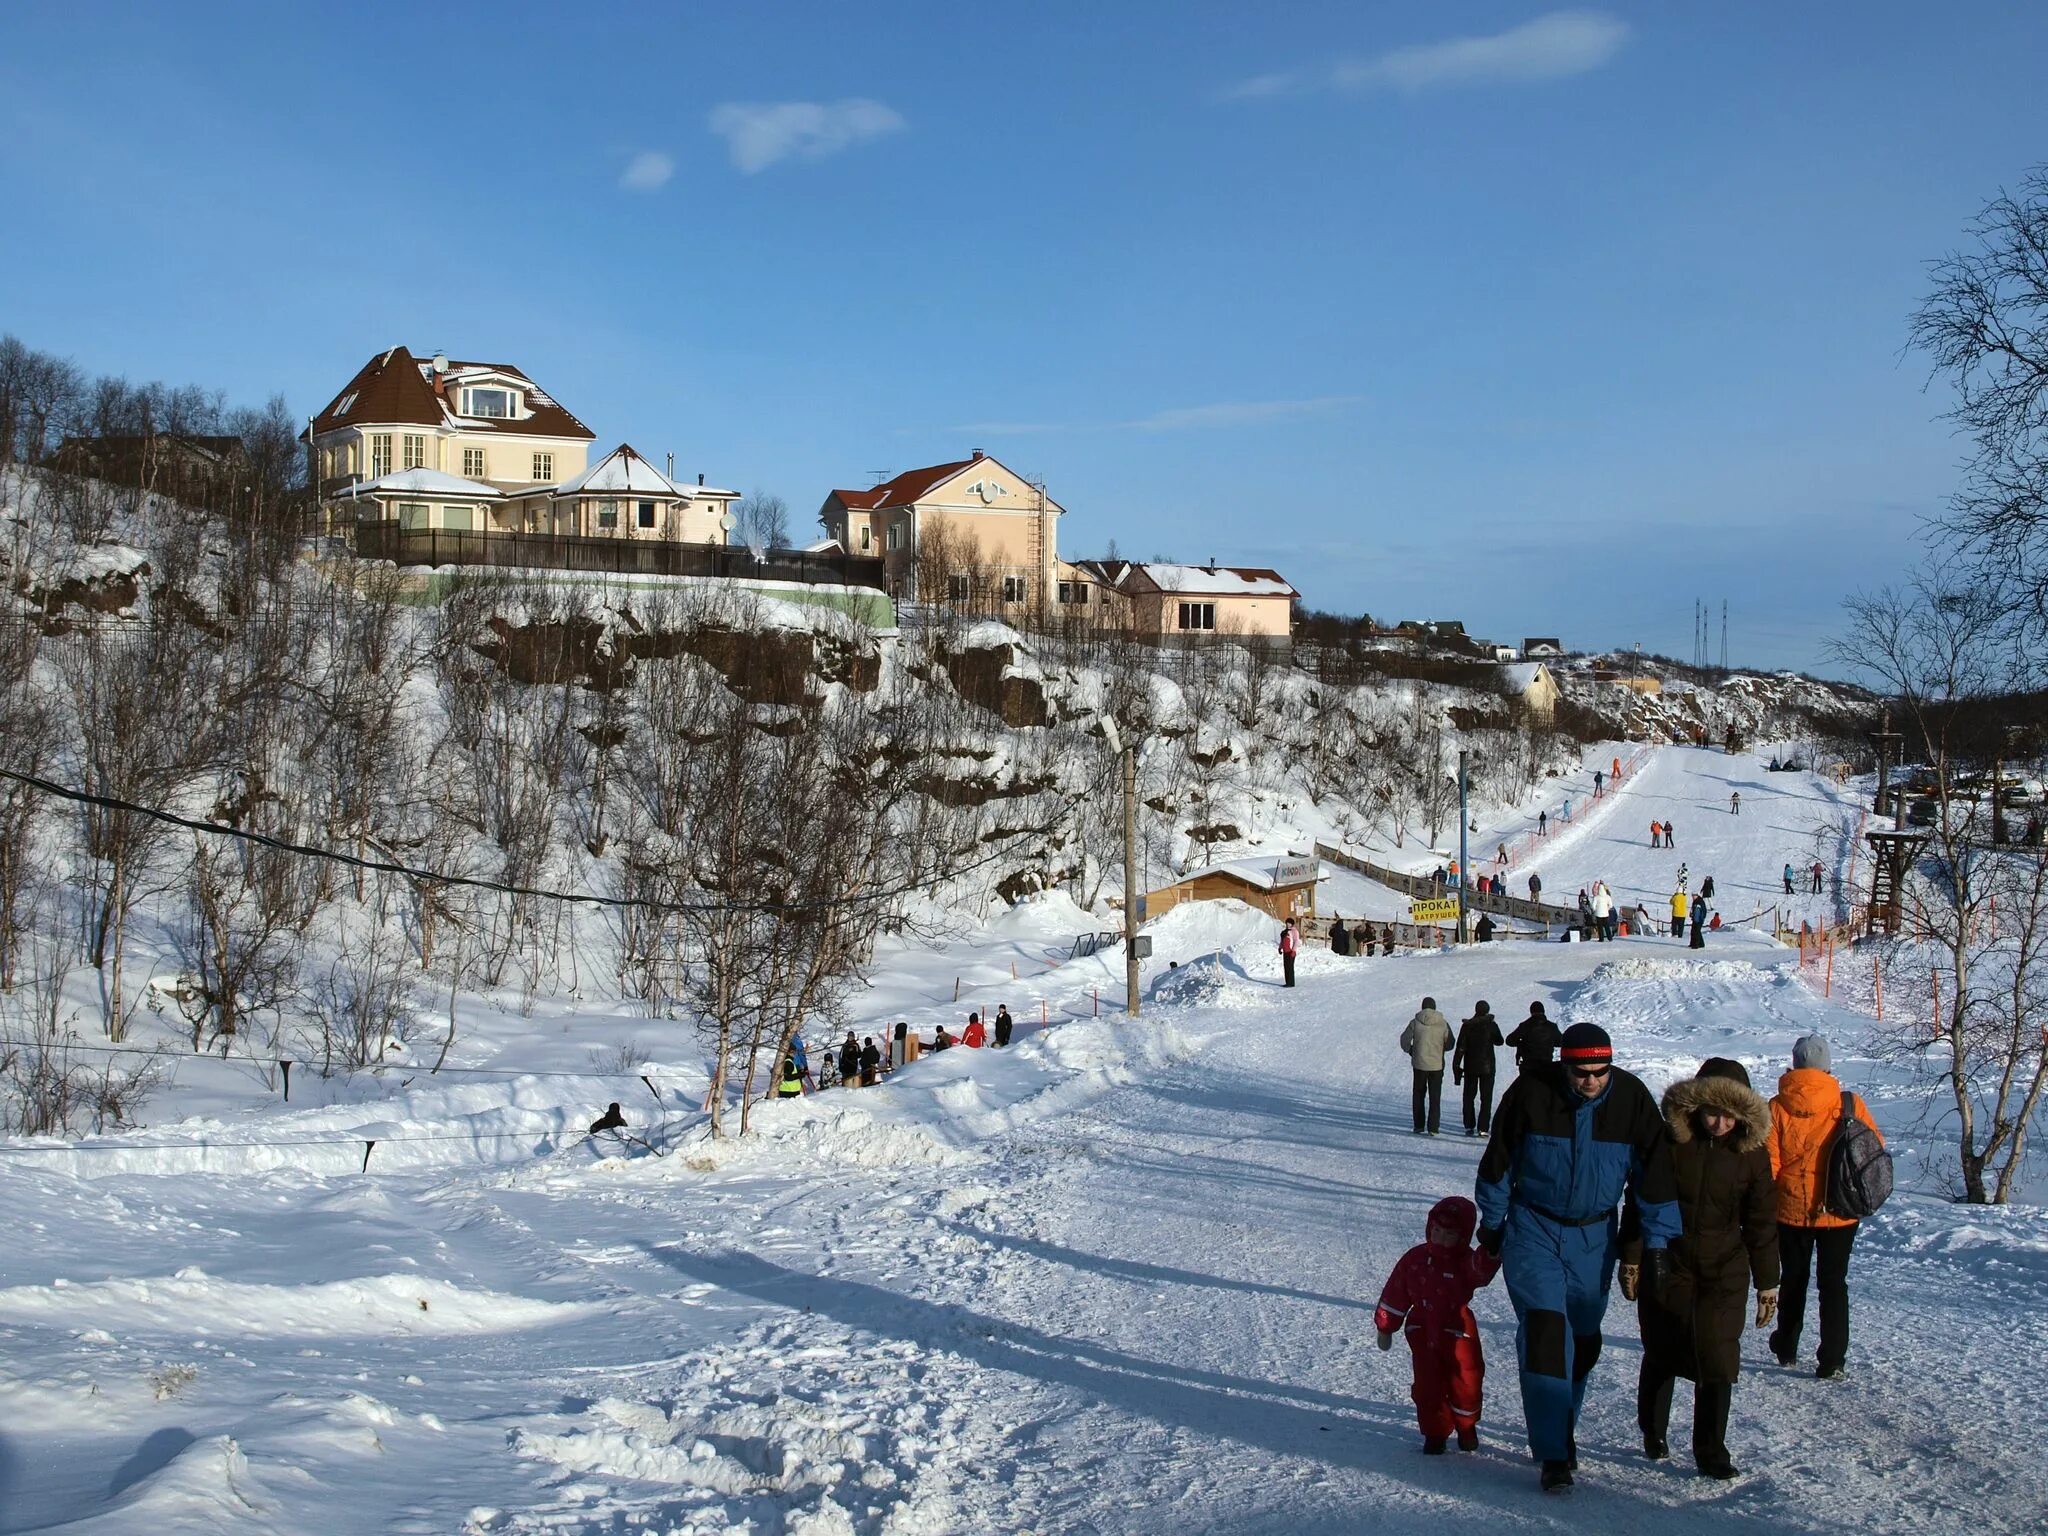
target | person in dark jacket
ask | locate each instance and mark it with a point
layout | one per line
(1535, 887)
(791, 1084)
(1534, 1040)
(1340, 937)
(1569, 1142)
(870, 1063)
(1483, 929)
(1004, 1024)
(1472, 1065)
(849, 1062)
(1727, 1208)
(1707, 889)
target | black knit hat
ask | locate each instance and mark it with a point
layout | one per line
(1721, 1066)
(1585, 1045)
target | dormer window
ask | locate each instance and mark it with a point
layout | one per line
(492, 402)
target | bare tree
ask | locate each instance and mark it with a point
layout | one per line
(1942, 646)
(1984, 328)
(763, 521)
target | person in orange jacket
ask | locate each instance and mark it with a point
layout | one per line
(1804, 1118)
(1656, 834)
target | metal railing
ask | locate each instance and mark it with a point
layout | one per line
(612, 556)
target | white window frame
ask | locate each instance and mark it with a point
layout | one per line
(474, 464)
(1197, 616)
(414, 515)
(543, 468)
(895, 535)
(416, 451)
(608, 515)
(380, 455)
(511, 396)
(1016, 589)
(644, 515)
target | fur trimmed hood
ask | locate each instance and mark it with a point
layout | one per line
(1683, 1099)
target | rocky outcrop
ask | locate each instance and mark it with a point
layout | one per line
(988, 674)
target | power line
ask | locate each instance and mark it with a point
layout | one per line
(474, 882)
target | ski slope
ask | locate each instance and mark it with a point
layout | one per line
(1115, 1279)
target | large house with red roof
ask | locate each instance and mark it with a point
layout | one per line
(436, 444)
(973, 533)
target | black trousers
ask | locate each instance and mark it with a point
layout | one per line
(1798, 1247)
(1479, 1090)
(1287, 965)
(1429, 1087)
(1710, 1403)
(1002, 1030)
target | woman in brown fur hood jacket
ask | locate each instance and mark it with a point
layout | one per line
(1692, 1326)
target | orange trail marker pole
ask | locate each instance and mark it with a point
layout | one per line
(1042, 1019)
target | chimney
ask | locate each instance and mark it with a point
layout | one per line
(1212, 565)
(671, 466)
(979, 454)
(700, 477)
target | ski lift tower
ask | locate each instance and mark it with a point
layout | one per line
(1891, 855)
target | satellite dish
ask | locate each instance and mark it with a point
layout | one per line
(728, 522)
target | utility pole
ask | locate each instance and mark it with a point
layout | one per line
(1131, 881)
(1464, 851)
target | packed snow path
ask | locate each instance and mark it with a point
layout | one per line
(1118, 1279)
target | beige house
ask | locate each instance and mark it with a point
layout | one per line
(1530, 683)
(484, 423)
(973, 533)
(1176, 600)
(620, 496)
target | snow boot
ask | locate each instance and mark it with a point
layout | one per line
(1468, 1439)
(1656, 1447)
(1557, 1477)
(1434, 1445)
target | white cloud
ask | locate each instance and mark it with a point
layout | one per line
(758, 134)
(1552, 47)
(647, 170)
(1237, 413)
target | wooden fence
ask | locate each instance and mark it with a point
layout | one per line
(615, 556)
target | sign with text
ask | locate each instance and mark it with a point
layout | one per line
(1433, 911)
(1294, 871)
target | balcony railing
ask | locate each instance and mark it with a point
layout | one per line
(613, 556)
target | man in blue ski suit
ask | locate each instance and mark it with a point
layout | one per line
(1568, 1142)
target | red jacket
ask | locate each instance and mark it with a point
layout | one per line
(973, 1034)
(1429, 1294)
(1290, 941)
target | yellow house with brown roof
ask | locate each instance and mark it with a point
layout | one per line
(973, 533)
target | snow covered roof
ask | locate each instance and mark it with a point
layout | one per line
(1520, 676)
(1264, 874)
(623, 472)
(425, 482)
(1217, 581)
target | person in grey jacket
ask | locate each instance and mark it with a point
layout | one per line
(1427, 1040)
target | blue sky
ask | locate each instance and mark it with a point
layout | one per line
(1551, 320)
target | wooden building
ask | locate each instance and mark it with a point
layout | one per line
(1284, 887)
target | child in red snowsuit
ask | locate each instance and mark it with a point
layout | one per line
(1429, 1297)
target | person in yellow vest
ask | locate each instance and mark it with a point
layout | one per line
(792, 1083)
(1679, 903)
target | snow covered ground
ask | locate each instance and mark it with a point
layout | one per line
(1117, 1278)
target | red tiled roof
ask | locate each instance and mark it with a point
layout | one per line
(903, 490)
(392, 388)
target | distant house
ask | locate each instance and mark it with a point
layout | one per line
(1531, 684)
(1281, 887)
(971, 533)
(1505, 653)
(1541, 646)
(176, 462)
(1176, 600)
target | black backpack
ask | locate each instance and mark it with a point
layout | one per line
(1859, 1168)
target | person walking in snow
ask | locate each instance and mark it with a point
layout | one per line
(1568, 1143)
(1656, 834)
(1668, 831)
(1707, 889)
(1679, 902)
(1472, 1065)
(1427, 1039)
(1727, 1209)
(1565, 811)
(1428, 1298)
(1598, 779)
(1501, 853)
(1735, 803)
(1805, 1115)
(1543, 823)
(1788, 879)
(1819, 870)
(1699, 923)
(1536, 888)
(1534, 1040)
(1004, 1024)
(1483, 929)
(1290, 946)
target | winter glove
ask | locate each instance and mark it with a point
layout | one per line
(1386, 1340)
(1656, 1273)
(1457, 1078)
(1631, 1277)
(1489, 1239)
(1766, 1307)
